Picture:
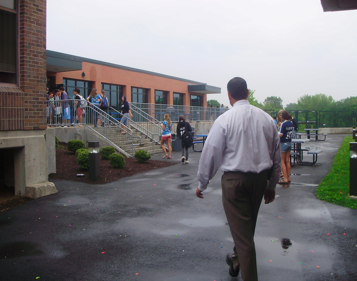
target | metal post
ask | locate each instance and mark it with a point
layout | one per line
(353, 168)
(94, 160)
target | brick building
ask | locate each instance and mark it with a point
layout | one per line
(23, 153)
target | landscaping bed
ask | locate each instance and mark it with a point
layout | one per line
(67, 168)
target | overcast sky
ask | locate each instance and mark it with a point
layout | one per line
(282, 48)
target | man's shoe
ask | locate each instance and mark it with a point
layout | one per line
(183, 159)
(186, 162)
(232, 272)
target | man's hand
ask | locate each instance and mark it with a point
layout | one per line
(199, 193)
(269, 196)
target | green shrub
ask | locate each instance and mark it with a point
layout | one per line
(73, 145)
(117, 160)
(81, 150)
(56, 141)
(83, 159)
(142, 155)
(106, 151)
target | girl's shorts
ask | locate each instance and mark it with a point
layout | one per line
(285, 146)
(164, 138)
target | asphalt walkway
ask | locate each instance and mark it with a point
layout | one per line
(151, 226)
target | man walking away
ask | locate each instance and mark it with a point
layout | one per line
(244, 142)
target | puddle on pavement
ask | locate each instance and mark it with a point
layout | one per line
(176, 176)
(185, 186)
(154, 173)
(174, 232)
(19, 249)
(136, 180)
(315, 213)
(203, 222)
(304, 184)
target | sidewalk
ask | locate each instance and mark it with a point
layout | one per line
(154, 225)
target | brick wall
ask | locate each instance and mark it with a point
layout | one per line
(33, 62)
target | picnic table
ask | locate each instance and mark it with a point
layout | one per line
(316, 134)
(297, 153)
(199, 139)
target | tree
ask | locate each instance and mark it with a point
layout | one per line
(214, 103)
(252, 100)
(316, 102)
(273, 103)
(291, 106)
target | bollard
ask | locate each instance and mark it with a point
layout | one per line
(94, 160)
(354, 135)
(353, 168)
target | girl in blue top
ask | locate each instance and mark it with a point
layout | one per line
(285, 134)
(166, 135)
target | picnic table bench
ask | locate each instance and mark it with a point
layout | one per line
(298, 136)
(199, 139)
(297, 153)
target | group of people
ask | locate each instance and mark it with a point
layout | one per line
(58, 108)
(183, 131)
(61, 111)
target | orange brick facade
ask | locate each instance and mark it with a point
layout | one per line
(23, 106)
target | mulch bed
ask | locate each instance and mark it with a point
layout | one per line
(67, 168)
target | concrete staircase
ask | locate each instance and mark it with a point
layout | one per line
(125, 142)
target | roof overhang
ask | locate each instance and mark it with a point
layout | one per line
(204, 89)
(338, 5)
(57, 62)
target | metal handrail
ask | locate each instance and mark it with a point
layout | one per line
(111, 121)
(145, 114)
(137, 126)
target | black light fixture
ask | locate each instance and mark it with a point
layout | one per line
(83, 74)
(94, 160)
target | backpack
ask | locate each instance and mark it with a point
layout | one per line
(82, 102)
(104, 104)
(187, 138)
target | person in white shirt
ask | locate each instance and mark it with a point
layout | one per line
(244, 142)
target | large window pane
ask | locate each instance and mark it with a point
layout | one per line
(113, 87)
(80, 84)
(70, 82)
(7, 47)
(10, 4)
(114, 99)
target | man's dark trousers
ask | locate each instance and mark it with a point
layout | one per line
(242, 196)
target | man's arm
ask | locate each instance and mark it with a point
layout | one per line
(274, 178)
(211, 157)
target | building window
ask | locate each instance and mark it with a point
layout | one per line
(84, 86)
(160, 97)
(178, 99)
(113, 93)
(8, 45)
(196, 100)
(139, 95)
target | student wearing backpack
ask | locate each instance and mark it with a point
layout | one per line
(103, 106)
(184, 133)
(77, 104)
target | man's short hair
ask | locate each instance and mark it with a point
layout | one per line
(61, 88)
(238, 89)
(181, 117)
(55, 91)
(77, 90)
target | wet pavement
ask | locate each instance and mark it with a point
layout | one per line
(151, 226)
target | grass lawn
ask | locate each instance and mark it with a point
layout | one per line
(334, 188)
